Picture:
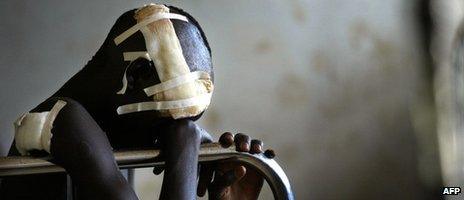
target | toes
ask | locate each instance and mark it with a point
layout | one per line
(256, 146)
(269, 153)
(242, 142)
(226, 140)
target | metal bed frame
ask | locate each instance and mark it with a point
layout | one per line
(268, 168)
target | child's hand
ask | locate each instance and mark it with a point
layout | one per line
(232, 180)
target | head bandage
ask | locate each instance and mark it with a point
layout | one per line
(33, 131)
(181, 93)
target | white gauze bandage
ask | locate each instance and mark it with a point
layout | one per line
(33, 131)
(181, 93)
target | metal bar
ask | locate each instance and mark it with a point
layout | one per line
(268, 168)
(130, 177)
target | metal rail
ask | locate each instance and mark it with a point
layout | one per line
(268, 168)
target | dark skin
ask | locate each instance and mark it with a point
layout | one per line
(233, 180)
(88, 128)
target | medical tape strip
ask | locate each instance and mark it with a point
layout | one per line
(28, 131)
(155, 41)
(159, 16)
(131, 56)
(47, 129)
(124, 81)
(203, 99)
(165, 49)
(33, 130)
(172, 83)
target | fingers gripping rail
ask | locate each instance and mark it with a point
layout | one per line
(269, 169)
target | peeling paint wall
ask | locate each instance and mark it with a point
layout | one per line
(329, 85)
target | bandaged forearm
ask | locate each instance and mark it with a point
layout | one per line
(33, 131)
(181, 93)
(164, 49)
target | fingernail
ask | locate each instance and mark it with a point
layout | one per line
(269, 153)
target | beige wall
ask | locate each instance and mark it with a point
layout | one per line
(330, 85)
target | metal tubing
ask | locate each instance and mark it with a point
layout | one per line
(268, 168)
